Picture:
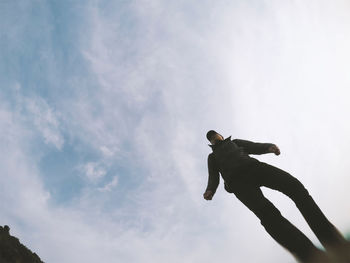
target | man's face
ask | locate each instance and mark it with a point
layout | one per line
(216, 137)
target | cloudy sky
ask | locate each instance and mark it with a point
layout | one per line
(104, 106)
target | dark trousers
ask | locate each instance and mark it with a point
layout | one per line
(246, 186)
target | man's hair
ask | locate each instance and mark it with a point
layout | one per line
(210, 134)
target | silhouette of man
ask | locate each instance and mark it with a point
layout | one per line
(244, 175)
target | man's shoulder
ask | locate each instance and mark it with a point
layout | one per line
(211, 160)
(211, 156)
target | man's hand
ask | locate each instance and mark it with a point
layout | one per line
(208, 195)
(274, 149)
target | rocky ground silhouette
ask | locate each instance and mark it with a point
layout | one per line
(12, 251)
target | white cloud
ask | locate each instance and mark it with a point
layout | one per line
(45, 120)
(109, 186)
(106, 151)
(93, 171)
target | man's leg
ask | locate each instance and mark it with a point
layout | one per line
(284, 232)
(277, 179)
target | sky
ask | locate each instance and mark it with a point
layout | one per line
(104, 107)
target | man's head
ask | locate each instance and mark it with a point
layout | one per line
(213, 136)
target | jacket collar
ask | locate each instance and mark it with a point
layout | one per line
(213, 146)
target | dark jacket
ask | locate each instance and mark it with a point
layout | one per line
(229, 157)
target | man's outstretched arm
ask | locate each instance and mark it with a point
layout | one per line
(256, 147)
(213, 178)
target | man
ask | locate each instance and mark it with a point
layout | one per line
(244, 175)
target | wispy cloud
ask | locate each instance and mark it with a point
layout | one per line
(45, 121)
(110, 185)
(93, 171)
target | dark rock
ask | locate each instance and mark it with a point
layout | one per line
(12, 251)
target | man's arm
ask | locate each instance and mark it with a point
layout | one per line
(257, 148)
(213, 178)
